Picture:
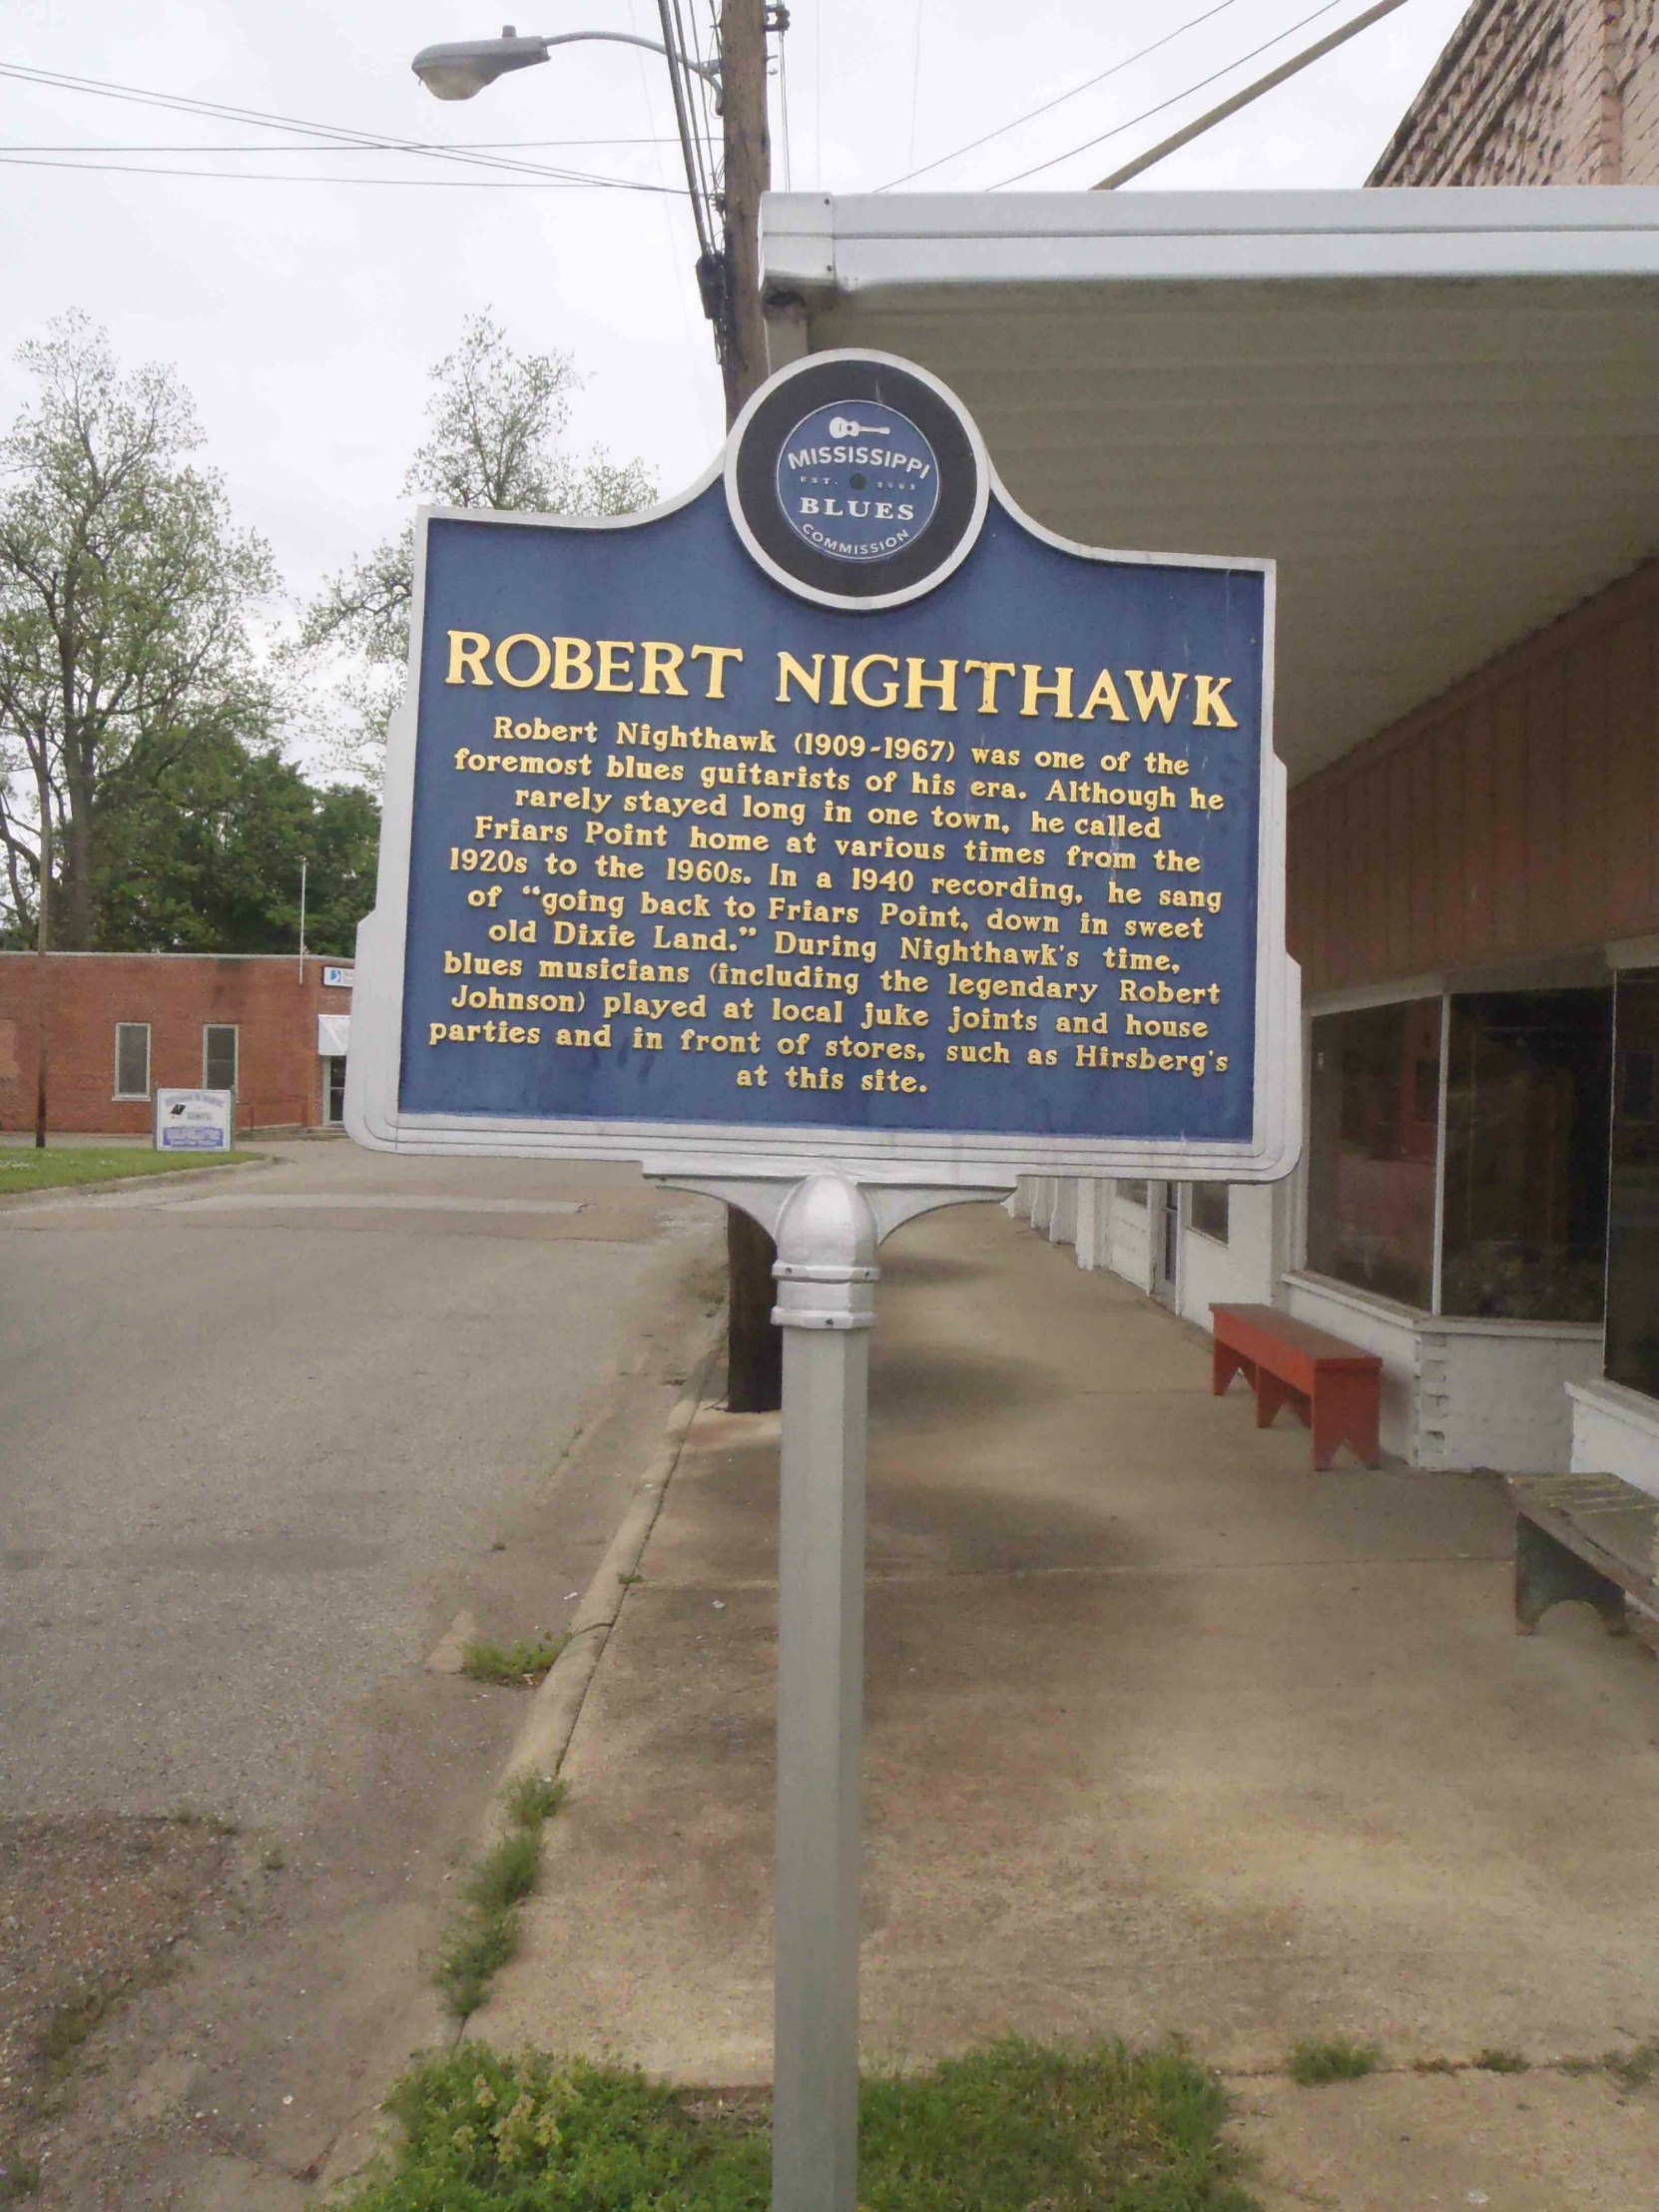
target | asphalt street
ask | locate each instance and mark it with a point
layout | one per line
(252, 1428)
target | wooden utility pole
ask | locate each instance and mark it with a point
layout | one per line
(753, 1347)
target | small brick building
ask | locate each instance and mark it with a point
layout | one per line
(117, 1025)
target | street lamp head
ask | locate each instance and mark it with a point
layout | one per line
(465, 66)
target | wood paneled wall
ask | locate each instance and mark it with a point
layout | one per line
(1513, 816)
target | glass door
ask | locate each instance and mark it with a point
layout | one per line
(1166, 1241)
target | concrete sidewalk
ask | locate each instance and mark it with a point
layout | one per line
(1164, 1732)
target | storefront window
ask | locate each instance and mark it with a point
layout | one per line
(1524, 1230)
(1207, 1209)
(1633, 1211)
(1370, 1152)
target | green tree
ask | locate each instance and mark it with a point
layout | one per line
(497, 424)
(207, 860)
(125, 600)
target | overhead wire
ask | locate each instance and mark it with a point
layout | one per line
(328, 134)
(670, 237)
(916, 79)
(1059, 100)
(80, 146)
(702, 97)
(1174, 100)
(783, 105)
(575, 182)
(689, 150)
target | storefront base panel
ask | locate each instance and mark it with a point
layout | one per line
(1518, 1398)
(1237, 1273)
(1461, 1394)
(1615, 1432)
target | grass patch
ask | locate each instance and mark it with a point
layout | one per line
(483, 1934)
(1434, 2065)
(21, 1168)
(1313, 2065)
(1498, 2058)
(473, 1952)
(1010, 2128)
(20, 2179)
(506, 1875)
(524, 1659)
(531, 1799)
(1633, 2069)
(70, 2025)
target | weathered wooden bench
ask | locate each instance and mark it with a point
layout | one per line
(1589, 1536)
(1334, 1388)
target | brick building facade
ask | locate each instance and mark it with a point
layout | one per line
(118, 1025)
(1536, 92)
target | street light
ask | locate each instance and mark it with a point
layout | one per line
(464, 67)
(461, 68)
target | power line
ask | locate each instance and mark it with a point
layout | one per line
(690, 150)
(327, 133)
(473, 146)
(1058, 101)
(574, 180)
(1174, 100)
(916, 79)
(783, 100)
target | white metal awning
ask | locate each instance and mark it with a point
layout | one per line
(333, 1035)
(1437, 409)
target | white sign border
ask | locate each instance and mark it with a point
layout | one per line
(982, 1160)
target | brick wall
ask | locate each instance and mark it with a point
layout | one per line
(273, 1010)
(1536, 92)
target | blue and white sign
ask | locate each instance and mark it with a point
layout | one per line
(859, 481)
(195, 1121)
(735, 849)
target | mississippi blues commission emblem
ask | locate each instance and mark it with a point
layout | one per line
(856, 482)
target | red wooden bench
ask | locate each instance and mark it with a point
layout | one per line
(1334, 1387)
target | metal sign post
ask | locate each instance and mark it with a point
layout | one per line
(828, 1230)
(834, 841)
(825, 1306)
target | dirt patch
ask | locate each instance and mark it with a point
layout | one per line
(91, 1906)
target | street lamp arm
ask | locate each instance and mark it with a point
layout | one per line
(462, 67)
(710, 70)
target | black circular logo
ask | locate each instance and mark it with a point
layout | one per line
(857, 480)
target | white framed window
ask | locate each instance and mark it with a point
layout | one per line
(219, 1056)
(132, 1059)
(1207, 1209)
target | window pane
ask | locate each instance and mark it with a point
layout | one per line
(1526, 1155)
(1207, 1209)
(132, 1059)
(1371, 1148)
(1633, 1210)
(219, 1057)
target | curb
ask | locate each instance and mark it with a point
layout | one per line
(559, 1698)
(544, 1739)
(18, 1200)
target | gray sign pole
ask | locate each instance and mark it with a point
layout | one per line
(826, 1271)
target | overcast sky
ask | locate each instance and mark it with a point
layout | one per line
(303, 315)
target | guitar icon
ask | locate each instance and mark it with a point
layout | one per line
(841, 427)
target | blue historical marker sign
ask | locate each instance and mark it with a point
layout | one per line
(831, 812)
